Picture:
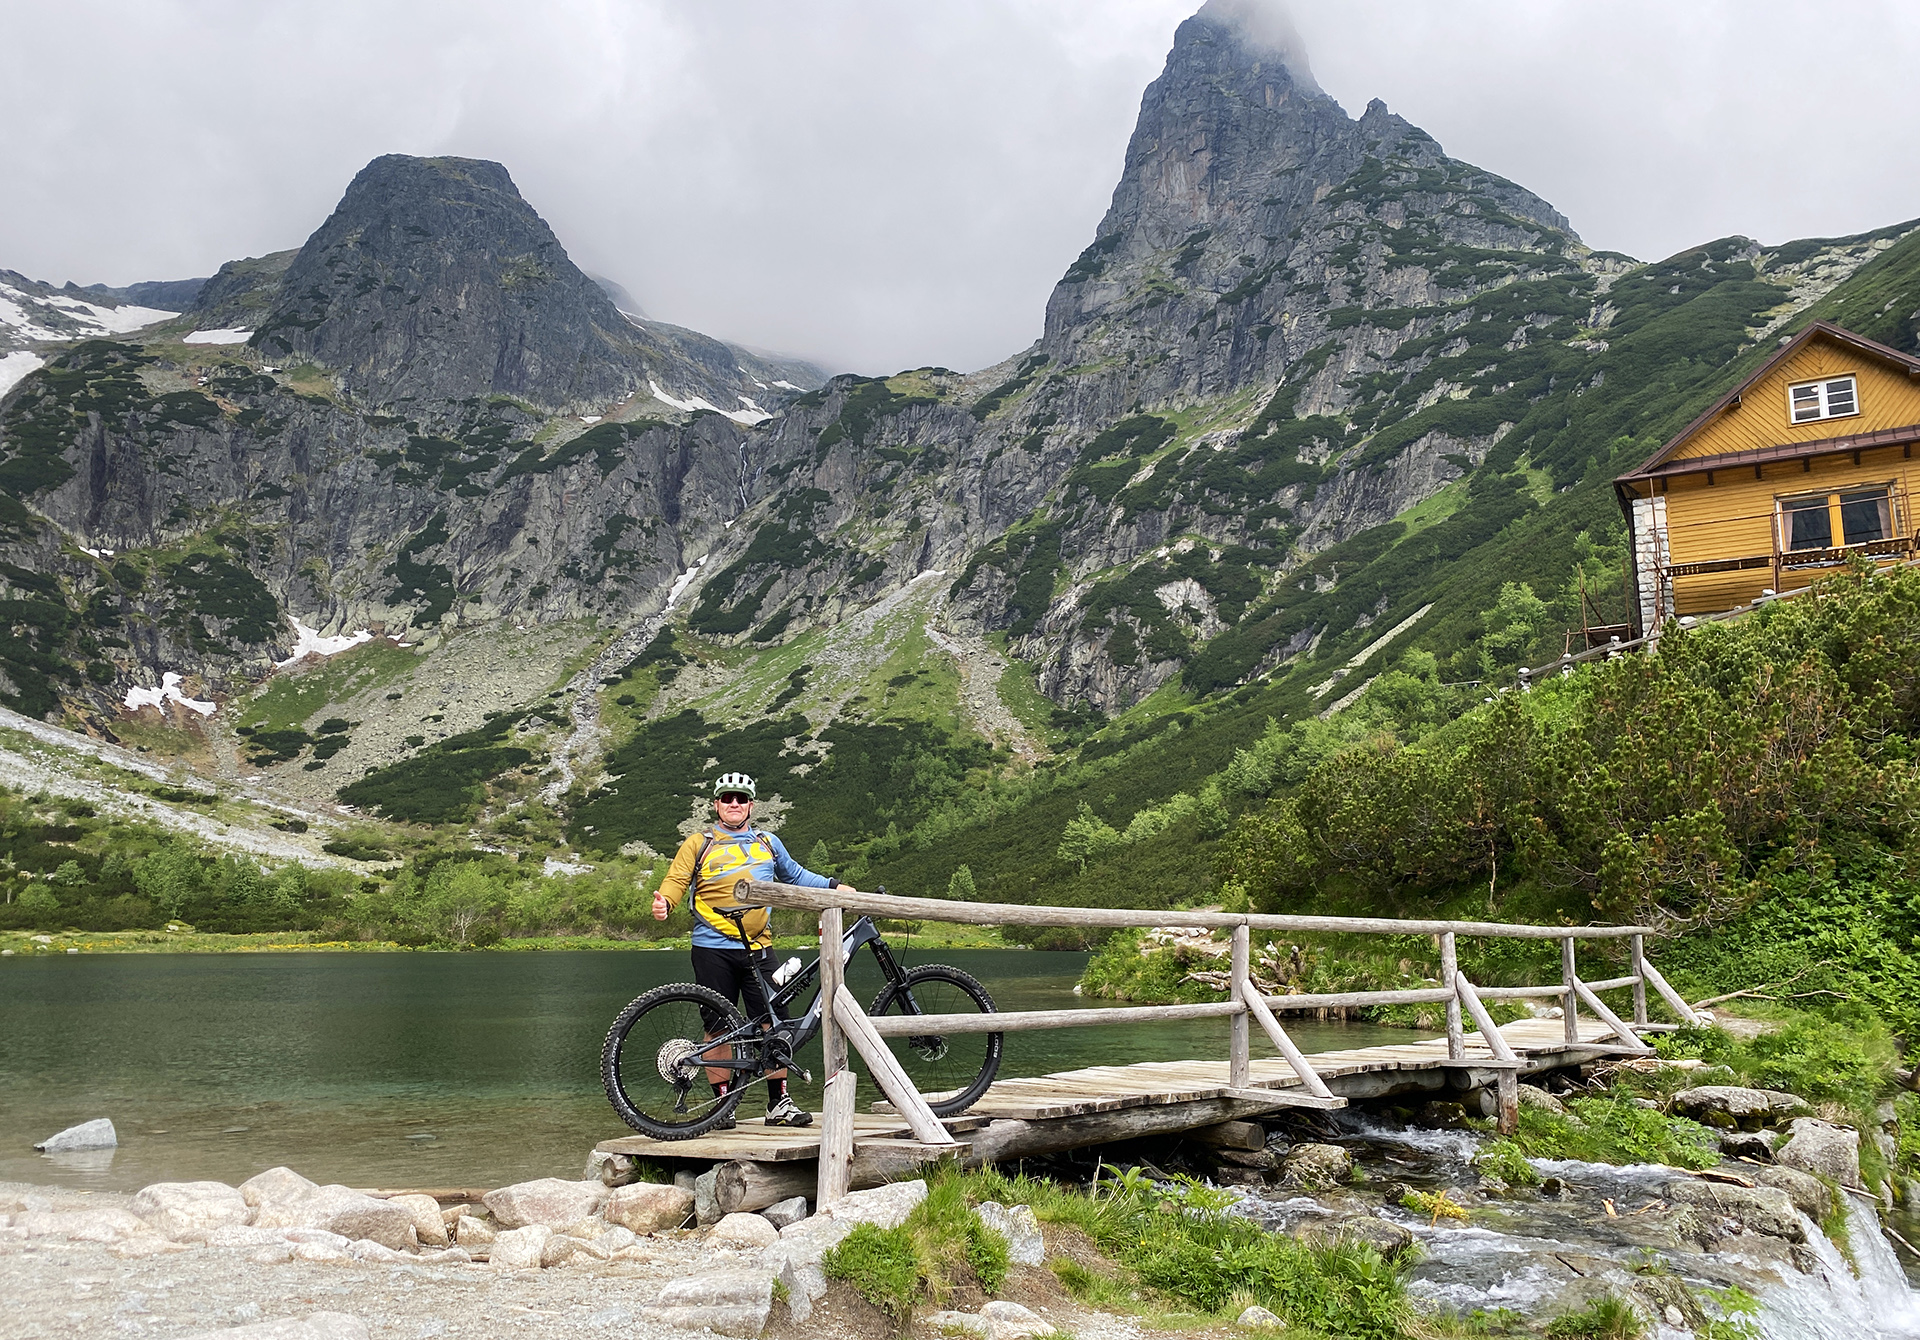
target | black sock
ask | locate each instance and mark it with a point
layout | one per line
(776, 1090)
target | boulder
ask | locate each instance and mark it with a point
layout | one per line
(608, 1169)
(275, 1186)
(313, 1326)
(103, 1224)
(1808, 1193)
(1317, 1167)
(428, 1226)
(1822, 1149)
(1388, 1238)
(1729, 1106)
(476, 1235)
(188, 1211)
(1755, 1145)
(521, 1248)
(728, 1302)
(1025, 1246)
(1531, 1095)
(95, 1134)
(318, 1251)
(319, 1235)
(648, 1207)
(1758, 1209)
(366, 1249)
(882, 1206)
(956, 1323)
(706, 1198)
(548, 1200)
(1010, 1321)
(616, 1239)
(1257, 1316)
(795, 1260)
(745, 1231)
(341, 1209)
(785, 1212)
(560, 1249)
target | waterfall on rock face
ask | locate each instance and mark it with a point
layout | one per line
(1831, 1302)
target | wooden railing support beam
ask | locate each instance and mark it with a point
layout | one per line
(1639, 979)
(1490, 1033)
(1620, 1030)
(1569, 999)
(837, 1107)
(1309, 1077)
(886, 1071)
(1449, 978)
(1672, 997)
(833, 1043)
(1240, 1049)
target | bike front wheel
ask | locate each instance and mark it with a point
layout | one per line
(654, 1061)
(951, 1070)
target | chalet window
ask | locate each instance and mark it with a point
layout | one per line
(1865, 516)
(1855, 516)
(1831, 398)
(1807, 524)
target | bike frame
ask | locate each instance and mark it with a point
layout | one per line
(782, 1037)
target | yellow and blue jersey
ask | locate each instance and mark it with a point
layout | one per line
(730, 859)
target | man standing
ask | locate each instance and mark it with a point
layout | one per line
(712, 863)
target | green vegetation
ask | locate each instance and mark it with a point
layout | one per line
(941, 1247)
(445, 782)
(289, 700)
(1609, 1317)
(431, 584)
(1611, 1128)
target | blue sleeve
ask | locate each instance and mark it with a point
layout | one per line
(790, 871)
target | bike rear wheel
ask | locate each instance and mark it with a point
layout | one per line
(652, 1063)
(951, 1070)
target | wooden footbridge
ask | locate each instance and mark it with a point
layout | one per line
(1099, 1105)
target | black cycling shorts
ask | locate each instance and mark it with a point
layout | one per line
(727, 971)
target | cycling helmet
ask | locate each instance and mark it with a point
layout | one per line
(735, 781)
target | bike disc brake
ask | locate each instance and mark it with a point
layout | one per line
(930, 1047)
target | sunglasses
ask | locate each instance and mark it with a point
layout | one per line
(731, 799)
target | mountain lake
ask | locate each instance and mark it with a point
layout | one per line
(413, 1069)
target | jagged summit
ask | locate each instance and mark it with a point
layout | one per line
(433, 279)
(1265, 27)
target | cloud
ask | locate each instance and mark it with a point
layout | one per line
(877, 185)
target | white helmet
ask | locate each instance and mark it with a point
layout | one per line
(735, 781)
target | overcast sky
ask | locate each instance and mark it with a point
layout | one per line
(876, 184)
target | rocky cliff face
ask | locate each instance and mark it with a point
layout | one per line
(1307, 363)
(433, 280)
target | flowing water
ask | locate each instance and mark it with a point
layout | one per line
(407, 1069)
(1595, 1229)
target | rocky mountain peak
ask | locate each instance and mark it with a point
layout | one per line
(1259, 27)
(433, 280)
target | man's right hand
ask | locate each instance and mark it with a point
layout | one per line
(660, 907)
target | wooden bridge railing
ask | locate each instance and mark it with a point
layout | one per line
(846, 1022)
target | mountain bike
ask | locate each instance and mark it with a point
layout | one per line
(657, 1055)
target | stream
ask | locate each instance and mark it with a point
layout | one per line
(1592, 1229)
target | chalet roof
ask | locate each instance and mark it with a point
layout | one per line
(1657, 465)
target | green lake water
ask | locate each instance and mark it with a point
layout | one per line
(409, 1069)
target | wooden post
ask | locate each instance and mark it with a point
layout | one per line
(836, 1139)
(1449, 973)
(833, 969)
(1506, 1088)
(886, 1071)
(1309, 1077)
(1640, 976)
(1569, 1001)
(1240, 1052)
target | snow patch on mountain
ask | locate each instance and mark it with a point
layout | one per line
(168, 692)
(15, 366)
(29, 316)
(228, 336)
(746, 417)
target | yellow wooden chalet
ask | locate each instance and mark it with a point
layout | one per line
(1808, 461)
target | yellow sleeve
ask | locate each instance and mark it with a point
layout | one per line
(681, 873)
